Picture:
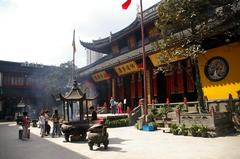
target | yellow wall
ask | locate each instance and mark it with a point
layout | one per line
(231, 83)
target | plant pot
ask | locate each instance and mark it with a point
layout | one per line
(148, 128)
(185, 133)
(175, 131)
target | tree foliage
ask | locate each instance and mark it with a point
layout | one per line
(184, 24)
(58, 79)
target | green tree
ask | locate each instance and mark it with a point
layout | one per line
(58, 79)
(184, 24)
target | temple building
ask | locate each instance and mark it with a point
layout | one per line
(119, 74)
(21, 88)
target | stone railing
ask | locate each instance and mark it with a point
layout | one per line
(135, 114)
(219, 123)
(220, 105)
(223, 105)
(221, 116)
(189, 106)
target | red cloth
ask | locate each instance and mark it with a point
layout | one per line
(119, 110)
(25, 121)
(126, 4)
(100, 120)
(128, 110)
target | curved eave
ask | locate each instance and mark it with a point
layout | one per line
(74, 95)
(99, 45)
(93, 47)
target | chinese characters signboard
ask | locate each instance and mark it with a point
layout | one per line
(100, 76)
(127, 68)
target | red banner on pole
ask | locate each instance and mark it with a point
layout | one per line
(126, 4)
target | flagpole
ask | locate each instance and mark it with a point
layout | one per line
(144, 62)
(74, 50)
(73, 67)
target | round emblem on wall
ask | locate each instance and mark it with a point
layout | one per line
(216, 68)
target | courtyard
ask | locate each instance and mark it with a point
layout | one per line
(130, 143)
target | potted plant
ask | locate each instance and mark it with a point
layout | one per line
(174, 129)
(182, 130)
(194, 130)
(181, 108)
(203, 131)
(165, 110)
(149, 126)
(156, 114)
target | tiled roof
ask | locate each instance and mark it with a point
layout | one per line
(150, 15)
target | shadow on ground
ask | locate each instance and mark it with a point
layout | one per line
(116, 140)
(35, 147)
(109, 149)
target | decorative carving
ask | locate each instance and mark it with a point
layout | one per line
(216, 68)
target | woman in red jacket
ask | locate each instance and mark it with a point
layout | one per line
(25, 125)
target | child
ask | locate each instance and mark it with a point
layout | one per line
(94, 113)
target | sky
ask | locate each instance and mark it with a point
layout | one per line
(41, 31)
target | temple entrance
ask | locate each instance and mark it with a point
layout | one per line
(104, 92)
(161, 88)
(127, 89)
(176, 84)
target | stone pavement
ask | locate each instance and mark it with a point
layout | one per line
(130, 143)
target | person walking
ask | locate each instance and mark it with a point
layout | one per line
(25, 125)
(56, 124)
(119, 108)
(113, 105)
(47, 126)
(42, 124)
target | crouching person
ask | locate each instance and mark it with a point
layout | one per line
(94, 114)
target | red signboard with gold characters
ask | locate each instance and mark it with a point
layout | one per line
(127, 68)
(100, 76)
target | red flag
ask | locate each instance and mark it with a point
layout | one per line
(73, 42)
(126, 4)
